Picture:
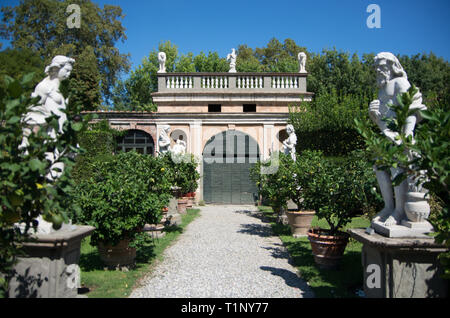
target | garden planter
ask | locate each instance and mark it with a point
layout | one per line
(417, 208)
(118, 255)
(181, 207)
(189, 202)
(154, 230)
(300, 222)
(49, 268)
(327, 249)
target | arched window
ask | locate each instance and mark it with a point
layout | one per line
(137, 140)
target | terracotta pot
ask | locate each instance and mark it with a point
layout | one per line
(417, 208)
(119, 255)
(181, 206)
(300, 222)
(189, 202)
(327, 249)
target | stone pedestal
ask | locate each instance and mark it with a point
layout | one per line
(173, 216)
(401, 267)
(50, 268)
(406, 229)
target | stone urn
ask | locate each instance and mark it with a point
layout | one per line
(417, 208)
(300, 222)
(49, 268)
(154, 230)
(116, 256)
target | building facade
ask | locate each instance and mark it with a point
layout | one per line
(227, 120)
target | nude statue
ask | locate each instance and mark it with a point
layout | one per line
(51, 102)
(162, 62)
(302, 62)
(179, 148)
(164, 140)
(290, 143)
(392, 80)
(232, 58)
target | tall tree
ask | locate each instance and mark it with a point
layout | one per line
(135, 92)
(41, 26)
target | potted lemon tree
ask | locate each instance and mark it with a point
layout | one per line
(339, 191)
(126, 192)
(302, 174)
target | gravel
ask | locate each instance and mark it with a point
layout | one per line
(227, 252)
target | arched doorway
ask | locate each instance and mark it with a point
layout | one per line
(137, 140)
(227, 160)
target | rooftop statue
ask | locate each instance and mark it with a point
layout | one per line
(232, 58)
(162, 62)
(302, 62)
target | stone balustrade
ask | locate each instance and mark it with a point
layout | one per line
(222, 82)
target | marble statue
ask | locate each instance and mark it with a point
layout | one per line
(290, 142)
(179, 148)
(162, 62)
(232, 58)
(164, 140)
(302, 62)
(51, 102)
(392, 80)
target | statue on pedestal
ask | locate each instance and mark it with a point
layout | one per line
(51, 102)
(232, 58)
(162, 62)
(392, 80)
(302, 62)
(164, 140)
(290, 143)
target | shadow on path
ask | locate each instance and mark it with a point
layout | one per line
(256, 229)
(290, 278)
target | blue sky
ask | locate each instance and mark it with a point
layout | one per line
(407, 26)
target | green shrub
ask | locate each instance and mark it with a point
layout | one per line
(125, 193)
(182, 171)
(343, 189)
(326, 124)
(98, 143)
(275, 183)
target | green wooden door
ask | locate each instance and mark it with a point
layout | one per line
(228, 158)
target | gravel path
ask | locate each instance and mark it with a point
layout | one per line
(227, 252)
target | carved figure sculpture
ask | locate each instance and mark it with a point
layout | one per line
(290, 142)
(232, 58)
(392, 80)
(179, 148)
(302, 62)
(164, 140)
(52, 101)
(162, 62)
